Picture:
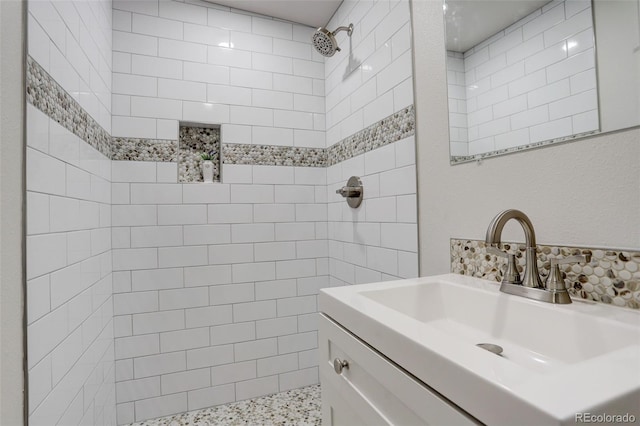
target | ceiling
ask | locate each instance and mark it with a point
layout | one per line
(469, 22)
(315, 13)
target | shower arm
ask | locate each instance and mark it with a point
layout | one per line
(348, 29)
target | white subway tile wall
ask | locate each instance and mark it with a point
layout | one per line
(531, 82)
(458, 135)
(213, 292)
(69, 277)
(369, 83)
(71, 40)
(216, 285)
(200, 63)
(377, 241)
(70, 344)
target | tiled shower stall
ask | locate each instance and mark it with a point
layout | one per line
(148, 296)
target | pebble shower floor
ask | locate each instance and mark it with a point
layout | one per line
(294, 407)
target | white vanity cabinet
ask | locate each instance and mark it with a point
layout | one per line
(372, 390)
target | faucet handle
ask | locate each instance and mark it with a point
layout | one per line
(554, 280)
(511, 275)
(578, 258)
(495, 250)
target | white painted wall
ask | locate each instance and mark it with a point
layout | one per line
(581, 193)
(12, 31)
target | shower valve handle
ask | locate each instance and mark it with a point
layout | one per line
(353, 191)
(349, 191)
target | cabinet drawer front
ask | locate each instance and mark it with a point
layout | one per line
(376, 390)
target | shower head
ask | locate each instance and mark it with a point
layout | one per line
(325, 41)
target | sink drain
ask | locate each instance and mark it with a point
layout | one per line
(490, 347)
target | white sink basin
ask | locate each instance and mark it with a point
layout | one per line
(557, 360)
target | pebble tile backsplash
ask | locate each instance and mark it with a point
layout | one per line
(612, 276)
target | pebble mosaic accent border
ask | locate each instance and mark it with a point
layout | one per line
(48, 96)
(134, 149)
(45, 94)
(393, 128)
(459, 159)
(388, 130)
(612, 276)
(295, 407)
(272, 155)
(192, 142)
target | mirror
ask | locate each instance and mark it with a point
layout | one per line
(529, 73)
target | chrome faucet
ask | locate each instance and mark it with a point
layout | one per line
(531, 285)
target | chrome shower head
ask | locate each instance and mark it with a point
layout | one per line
(325, 41)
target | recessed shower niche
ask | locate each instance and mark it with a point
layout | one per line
(194, 140)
